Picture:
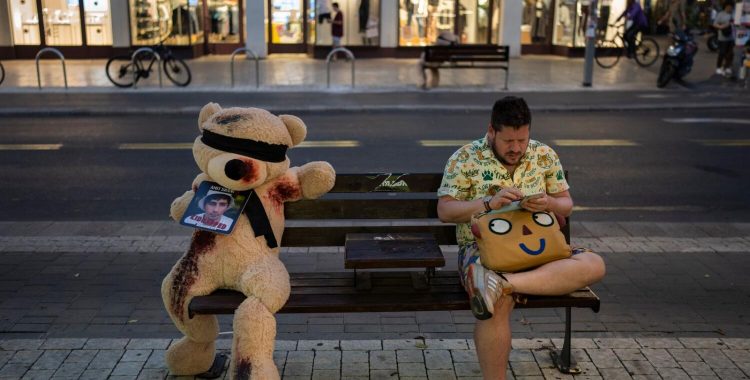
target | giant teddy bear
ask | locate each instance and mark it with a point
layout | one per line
(241, 149)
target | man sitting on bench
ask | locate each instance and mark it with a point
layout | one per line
(490, 173)
(443, 39)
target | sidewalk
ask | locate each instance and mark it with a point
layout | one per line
(82, 298)
(299, 73)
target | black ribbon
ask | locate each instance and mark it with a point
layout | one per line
(246, 147)
(259, 220)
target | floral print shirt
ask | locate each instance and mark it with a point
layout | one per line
(473, 172)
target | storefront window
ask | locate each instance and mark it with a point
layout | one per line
(98, 18)
(571, 17)
(176, 22)
(286, 22)
(420, 21)
(361, 22)
(535, 28)
(224, 16)
(25, 22)
(473, 21)
(62, 22)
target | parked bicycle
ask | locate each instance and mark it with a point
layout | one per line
(608, 52)
(2, 73)
(123, 72)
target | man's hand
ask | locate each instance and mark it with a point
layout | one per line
(504, 197)
(537, 204)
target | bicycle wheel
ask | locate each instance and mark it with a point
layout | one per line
(120, 71)
(177, 71)
(2, 73)
(647, 52)
(607, 54)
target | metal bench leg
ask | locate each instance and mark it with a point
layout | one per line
(506, 80)
(562, 359)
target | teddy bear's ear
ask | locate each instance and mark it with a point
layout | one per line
(206, 112)
(296, 128)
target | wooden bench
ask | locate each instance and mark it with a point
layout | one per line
(383, 221)
(467, 57)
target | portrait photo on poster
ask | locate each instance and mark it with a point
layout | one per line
(215, 208)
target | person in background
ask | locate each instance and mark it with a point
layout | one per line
(638, 24)
(723, 25)
(337, 27)
(676, 16)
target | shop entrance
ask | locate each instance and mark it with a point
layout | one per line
(78, 28)
(287, 32)
(224, 25)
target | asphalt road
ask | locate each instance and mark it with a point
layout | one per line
(655, 169)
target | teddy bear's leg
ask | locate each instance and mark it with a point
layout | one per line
(252, 347)
(194, 353)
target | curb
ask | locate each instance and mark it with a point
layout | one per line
(131, 111)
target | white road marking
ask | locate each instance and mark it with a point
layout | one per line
(723, 142)
(706, 120)
(593, 142)
(30, 146)
(329, 144)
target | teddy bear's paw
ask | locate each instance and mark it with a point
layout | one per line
(188, 357)
(316, 178)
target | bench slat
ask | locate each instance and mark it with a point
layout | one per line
(335, 236)
(391, 291)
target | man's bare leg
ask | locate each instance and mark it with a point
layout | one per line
(492, 338)
(559, 277)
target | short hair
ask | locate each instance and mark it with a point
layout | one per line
(335, 4)
(510, 111)
(218, 196)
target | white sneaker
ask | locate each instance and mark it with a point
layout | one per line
(485, 288)
(719, 71)
(727, 72)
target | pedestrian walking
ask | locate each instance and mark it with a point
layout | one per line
(337, 27)
(723, 24)
(675, 16)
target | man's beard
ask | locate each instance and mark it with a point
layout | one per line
(501, 158)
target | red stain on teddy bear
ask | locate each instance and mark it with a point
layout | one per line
(283, 191)
(187, 269)
(250, 173)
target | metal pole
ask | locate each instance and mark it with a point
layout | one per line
(349, 55)
(588, 66)
(62, 59)
(257, 65)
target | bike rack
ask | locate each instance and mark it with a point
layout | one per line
(257, 64)
(62, 59)
(348, 53)
(135, 72)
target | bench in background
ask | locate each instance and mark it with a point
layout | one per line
(467, 57)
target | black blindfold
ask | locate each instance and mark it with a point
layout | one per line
(246, 147)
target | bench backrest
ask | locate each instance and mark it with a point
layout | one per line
(473, 53)
(369, 203)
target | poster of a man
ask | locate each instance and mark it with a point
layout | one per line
(210, 212)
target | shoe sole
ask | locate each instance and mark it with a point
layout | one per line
(479, 308)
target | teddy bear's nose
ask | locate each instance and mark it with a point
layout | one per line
(235, 169)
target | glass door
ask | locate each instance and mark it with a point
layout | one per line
(25, 22)
(224, 25)
(287, 26)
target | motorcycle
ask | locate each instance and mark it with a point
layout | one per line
(712, 41)
(678, 60)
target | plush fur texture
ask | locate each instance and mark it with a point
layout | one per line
(241, 260)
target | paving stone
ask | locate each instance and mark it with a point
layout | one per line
(349, 370)
(684, 354)
(715, 358)
(672, 373)
(95, 374)
(355, 357)
(51, 359)
(525, 369)
(70, 370)
(318, 345)
(738, 356)
(629, 354)
(150, 344)
(412, 370)
(659, 343)
(446, 344)
(531, 344)
(385, 360)
(410, 356)
(300, 357)
(639, 367)
(327, 360)
(730, 373)
(659, 357)
(153, 374)
(732, 343)
(13, 370)
(361, 345)
(325, 374)
(465, 369)
(554, 374)
(298, 368)
(702, 342)
(383, 374)
(81, 356)
(106, 359)
(127, 369)
(615, 374)
(26, 357)
(438, 359)
(156, 360)
(135, 355)
(38, 374)
(440, 374)
(5, 356)
(63, 344)
(284, 345)
(464, 356)
(403, 344)
(105, 344)
(616, 343)
(20, 344)
(604, 358)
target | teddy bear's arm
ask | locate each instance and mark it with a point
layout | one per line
(316, 178)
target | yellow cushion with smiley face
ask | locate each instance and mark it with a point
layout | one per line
(511, 241)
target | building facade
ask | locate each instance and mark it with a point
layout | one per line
(372, 28)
